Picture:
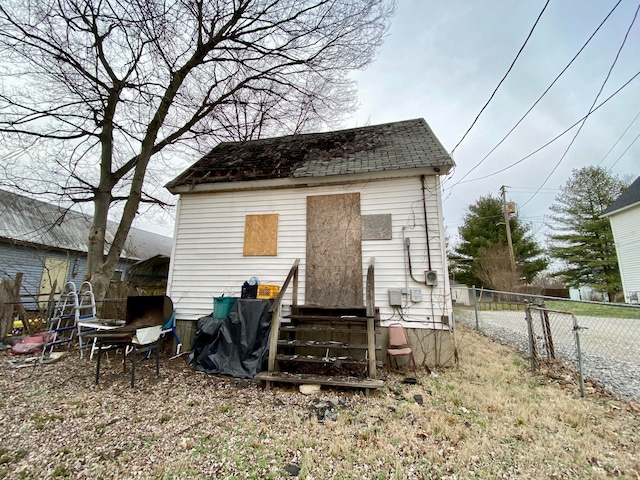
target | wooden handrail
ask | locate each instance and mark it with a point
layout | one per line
(370, 289)
(275, 314)
(371, 313)
(293, 274)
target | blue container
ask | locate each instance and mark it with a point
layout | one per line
(222, 306)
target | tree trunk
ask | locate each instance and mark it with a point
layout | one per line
(100, 284)
(100, 274)
(95, 252)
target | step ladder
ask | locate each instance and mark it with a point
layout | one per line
(86, 313)
(70, 308)
(61, 325)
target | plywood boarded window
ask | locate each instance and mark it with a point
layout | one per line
(261, 235)
(333, 274)
(376, 227)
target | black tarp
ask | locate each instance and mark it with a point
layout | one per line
(236, 345)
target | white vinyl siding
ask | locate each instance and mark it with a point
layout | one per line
(626, 233)
(207, 260)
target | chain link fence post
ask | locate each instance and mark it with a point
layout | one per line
(475, 306)
(532, 343)
(576, 331)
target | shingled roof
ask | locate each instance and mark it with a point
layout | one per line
(628, 198)
(406, 145)
(30, 221)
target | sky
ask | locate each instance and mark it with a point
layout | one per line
(442, 60)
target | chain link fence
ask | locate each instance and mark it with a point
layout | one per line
(599, 341)
(554, 335)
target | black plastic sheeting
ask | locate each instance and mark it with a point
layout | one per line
(236, 345)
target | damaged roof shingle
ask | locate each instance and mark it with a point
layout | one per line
(402, 145)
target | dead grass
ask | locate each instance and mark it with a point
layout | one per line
(490, 418)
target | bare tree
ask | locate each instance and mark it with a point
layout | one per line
(93, 90)
(547, 279)
(494, 269)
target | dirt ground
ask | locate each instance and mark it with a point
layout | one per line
(488, 418)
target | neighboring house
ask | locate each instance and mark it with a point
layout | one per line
(461, 294)
(624, 216)
(48, 244)
(334, 200)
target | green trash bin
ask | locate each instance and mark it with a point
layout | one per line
(222, 306)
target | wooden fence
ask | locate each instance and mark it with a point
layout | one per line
(16, 307)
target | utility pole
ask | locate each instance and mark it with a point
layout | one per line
(508, 227)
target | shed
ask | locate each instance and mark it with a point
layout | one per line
(335, 200)
(624, 216)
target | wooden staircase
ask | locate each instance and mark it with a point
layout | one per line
(324, 345)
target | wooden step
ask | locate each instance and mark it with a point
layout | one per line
(328, 330)
(336, 320)
(329, 344)
(325, 329)
(329, 311)
(313, 359)
(337, 381)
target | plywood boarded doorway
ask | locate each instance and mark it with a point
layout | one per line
(334, 251)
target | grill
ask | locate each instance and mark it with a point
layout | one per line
(143, 326)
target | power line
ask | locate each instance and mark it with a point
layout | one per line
(620, 138)
(531, 189)
(626, 150)
(503, 78)
(613, 64)
(524, 218)
(540, 97)
(557, 136)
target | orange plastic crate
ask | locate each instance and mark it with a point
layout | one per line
(267, 291)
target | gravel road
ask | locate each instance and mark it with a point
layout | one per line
(610, 346)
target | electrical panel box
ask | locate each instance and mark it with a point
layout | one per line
(415, 295)
(395, 297)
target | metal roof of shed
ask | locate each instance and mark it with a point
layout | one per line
(27, 220)
(398, 146)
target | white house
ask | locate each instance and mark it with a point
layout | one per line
(624, 216)
(334, 200)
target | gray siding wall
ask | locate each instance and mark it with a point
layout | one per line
(31, 261)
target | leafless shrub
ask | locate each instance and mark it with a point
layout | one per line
(494, 269)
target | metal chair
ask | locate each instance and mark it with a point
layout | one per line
(170, 327)
(399, 345)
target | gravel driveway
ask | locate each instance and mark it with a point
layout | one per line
(609, 346)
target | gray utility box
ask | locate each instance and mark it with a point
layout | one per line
(395, 297)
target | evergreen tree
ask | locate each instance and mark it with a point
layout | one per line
(583, 241)
(483, 232)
